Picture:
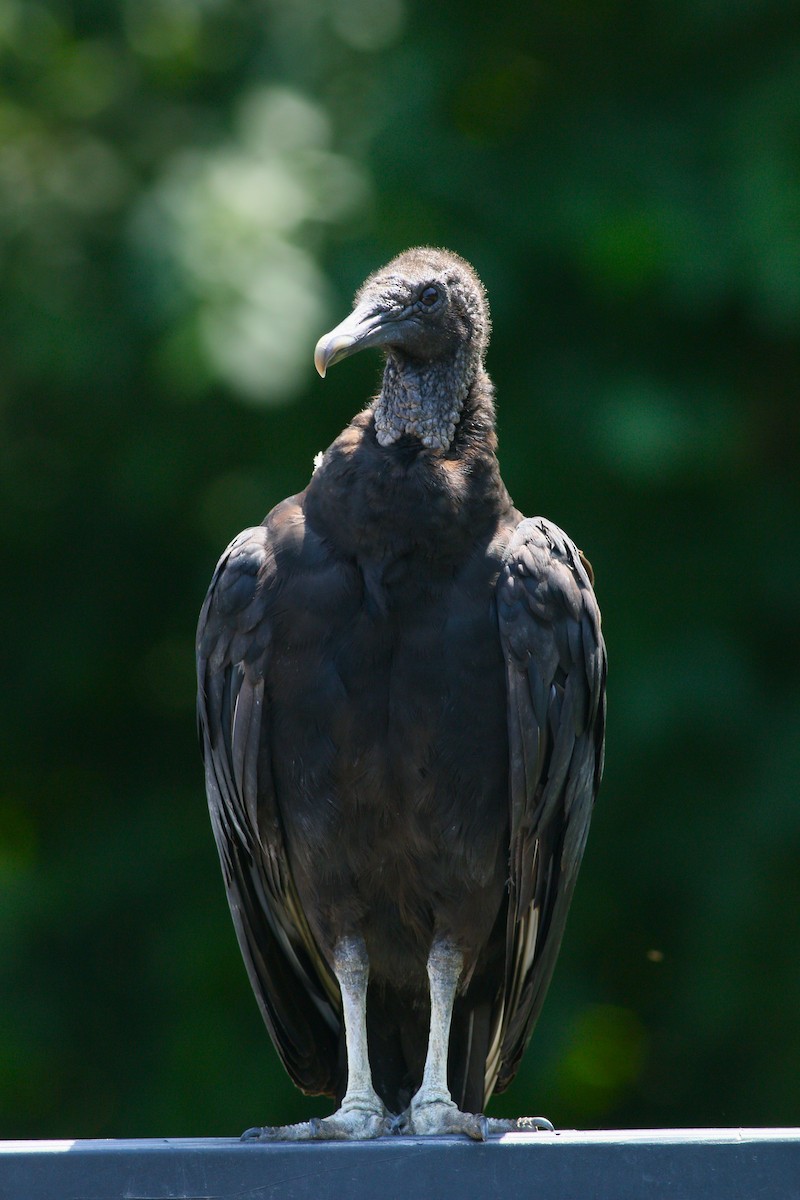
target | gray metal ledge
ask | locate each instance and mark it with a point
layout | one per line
(660, 1164)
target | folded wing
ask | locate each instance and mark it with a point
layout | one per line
(549, 626)
(294, 987)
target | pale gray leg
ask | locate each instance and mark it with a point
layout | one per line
(432, 1110)
(445, 964)
(361, 1113)
(361, 1100)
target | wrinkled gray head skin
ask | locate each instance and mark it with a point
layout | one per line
(428, 310)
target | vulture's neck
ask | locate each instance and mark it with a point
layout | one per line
(384, 502)
(424, 399)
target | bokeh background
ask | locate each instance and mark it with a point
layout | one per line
(190, 191)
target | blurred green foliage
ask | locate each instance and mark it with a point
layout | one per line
(190, 191)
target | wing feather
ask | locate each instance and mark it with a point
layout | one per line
(296, 992)
(549, 626)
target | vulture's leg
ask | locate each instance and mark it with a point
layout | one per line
(432, 1110)
(361, 1113)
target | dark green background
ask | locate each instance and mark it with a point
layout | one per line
(189, 194)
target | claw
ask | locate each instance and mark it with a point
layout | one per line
(540, 1123)
(397, 1124)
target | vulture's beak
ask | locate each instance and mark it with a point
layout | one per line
(366, 326)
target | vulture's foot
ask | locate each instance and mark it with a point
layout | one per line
(356, 1120)
(441, 1118)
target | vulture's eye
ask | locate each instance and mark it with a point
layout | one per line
(429, 296)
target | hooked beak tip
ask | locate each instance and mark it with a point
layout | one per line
(320, 361)
(330, 348)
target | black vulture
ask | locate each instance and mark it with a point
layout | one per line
(401, 705)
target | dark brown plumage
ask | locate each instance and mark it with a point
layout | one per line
(401, 704)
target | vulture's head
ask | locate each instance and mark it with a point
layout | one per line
(426, 306)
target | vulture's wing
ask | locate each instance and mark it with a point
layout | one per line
(295, 990)
(556, 669)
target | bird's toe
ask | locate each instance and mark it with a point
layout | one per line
(500, 1125)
